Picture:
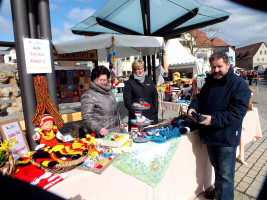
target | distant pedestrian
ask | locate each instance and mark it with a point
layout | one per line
(250, 76)
(256, 76)
(223, 101)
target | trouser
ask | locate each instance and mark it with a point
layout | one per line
(223, 160)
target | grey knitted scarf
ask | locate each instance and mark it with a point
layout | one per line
(141, 79)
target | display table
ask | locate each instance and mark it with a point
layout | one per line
(188, 174)
(251, 130)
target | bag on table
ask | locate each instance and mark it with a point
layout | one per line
(168, 93)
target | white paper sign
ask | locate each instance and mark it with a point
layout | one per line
(37, 56)
(12, 130)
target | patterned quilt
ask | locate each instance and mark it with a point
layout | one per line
(71, 84)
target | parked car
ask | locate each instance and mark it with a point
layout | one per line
(261, 71)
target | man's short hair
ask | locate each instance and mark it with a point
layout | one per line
(219, 55)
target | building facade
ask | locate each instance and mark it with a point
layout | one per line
(252, 57)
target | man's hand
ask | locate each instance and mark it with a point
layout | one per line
(190, 113)
(103, 131)
(207, 121)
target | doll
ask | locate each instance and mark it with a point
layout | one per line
(176, 80)
(47, 133)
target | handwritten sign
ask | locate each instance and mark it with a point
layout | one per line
(37, 56)
(11, 129)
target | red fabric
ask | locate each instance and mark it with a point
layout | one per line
(38, 177)
(50, 143)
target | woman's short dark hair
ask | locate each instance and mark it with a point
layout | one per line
(219, 55)
(99, 70)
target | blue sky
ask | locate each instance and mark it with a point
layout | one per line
(245, 26)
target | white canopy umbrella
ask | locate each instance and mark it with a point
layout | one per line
(178, 57)
(124, 45)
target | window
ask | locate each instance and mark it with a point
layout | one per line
(128, 73)
(127, 58)
(230, 58)
(262, 60)
(258, 59)
(9, 58)
(124, 73)
(260, 52)
(265, 52)
(136, 57)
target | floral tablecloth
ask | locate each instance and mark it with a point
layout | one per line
(149, 161)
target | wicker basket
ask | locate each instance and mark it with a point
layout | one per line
(61, 167)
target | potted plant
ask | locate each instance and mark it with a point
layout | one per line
(6, 160)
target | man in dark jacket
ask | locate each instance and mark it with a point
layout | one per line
(140, 86)
(223, 101)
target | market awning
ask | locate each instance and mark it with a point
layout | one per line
(166, 18)
(124, 45)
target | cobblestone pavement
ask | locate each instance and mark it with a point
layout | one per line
(249, 177)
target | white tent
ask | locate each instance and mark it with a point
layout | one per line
(179, 59)
(124, 45)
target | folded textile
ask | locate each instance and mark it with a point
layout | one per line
(27, 172)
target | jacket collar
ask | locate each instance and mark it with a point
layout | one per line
(99, 88)
(216, 82)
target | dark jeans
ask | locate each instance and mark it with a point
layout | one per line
(223, 160)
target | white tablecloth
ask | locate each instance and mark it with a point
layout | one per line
(188, 175)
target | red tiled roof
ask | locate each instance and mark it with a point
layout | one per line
(201, 38)
(252, 49)
(219, 43)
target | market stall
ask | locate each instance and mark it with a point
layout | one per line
(188, 174)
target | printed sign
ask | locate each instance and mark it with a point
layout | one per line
(11, 129)
(37, 56)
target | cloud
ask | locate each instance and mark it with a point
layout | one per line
(78, 14)
(53, 6)
(5, 8)
(65, 35)
(6, 27)
(245, 26)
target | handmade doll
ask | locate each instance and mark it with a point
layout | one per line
(47, 133)
(176, 80)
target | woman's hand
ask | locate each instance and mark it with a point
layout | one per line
(121, 126)
(103, 131)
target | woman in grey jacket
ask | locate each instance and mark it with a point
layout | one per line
(99, 108)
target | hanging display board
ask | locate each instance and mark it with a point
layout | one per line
(37, 56)
(11, 129)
